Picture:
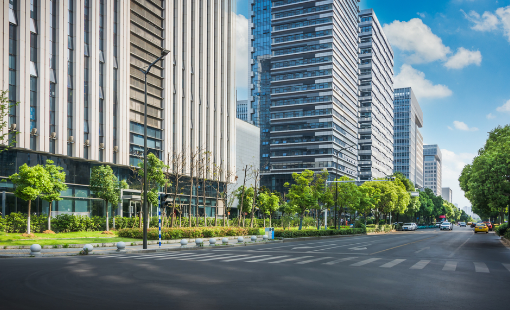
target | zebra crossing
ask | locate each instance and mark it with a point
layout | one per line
(351, 261)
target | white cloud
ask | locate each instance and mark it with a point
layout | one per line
(450, 128)
(486, 22)
(504, 108)
(422, 15)
(500, 19)
(422, 88)
(504, 15)
(242, 54)
(491, 116)
(453, 164)
(464, 58)
(463, 126)
(417, 39)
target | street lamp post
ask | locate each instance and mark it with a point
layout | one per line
(145, 215)
(336, 184)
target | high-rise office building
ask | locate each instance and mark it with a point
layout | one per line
(244, 111)
(407, 139)
(304, 87)
(447, 194)
(375, 98)
(75, 68)
(432, 168)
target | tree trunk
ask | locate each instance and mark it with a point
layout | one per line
(301, 220)
(269, 220)
(28, 217)
(190, 198)
(49, 217)
(107, 219)
(264, 220)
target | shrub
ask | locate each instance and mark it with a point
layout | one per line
(502, 229)
(179, 233)
(313, 232)
(17, 223)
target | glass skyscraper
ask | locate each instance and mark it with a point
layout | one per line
(408, 141)
(304, 87)
(432, 168)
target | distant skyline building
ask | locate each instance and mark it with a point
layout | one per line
(304, 85)
(408, 141)
(447, 195)
(375, 98)
(432, 168)
(243, 111)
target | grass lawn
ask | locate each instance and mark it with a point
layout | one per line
(62, 238)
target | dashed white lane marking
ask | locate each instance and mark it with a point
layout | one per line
(392, 263)
(420, 265)
(507, 266)
(481, 267)
(249, 257)
(450, 266)
(364, 262)
(339, 261)
(264, 259)
(312, 260)
(289, 259)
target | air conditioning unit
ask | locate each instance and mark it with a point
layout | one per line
(33, 132)
(53, 135)
(101, 146)
(70, 139)
(87, 142)
(115, 149)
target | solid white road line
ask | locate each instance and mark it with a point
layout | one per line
(249, 257)
(289, 259)
(507, 266)
(264, 259)
(392, 263)
(339, 261)
(450, 266)
(364, 262)
(481, 267)
(312, 260)
(420, 265)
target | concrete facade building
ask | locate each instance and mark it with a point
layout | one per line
(304, 87)
(244, 111)
(447, 194)
(375, 98)
(74, 67)
(432, 168)
(408, 141)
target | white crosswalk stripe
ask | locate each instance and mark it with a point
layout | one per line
(195, 257)
(507, 266)
(264, 259)
(218, 257)
(249, 257)
(289, 259)
(312, 260)
(182, 256)
(450, 266)
(339, 260)
(176, 255)
(393, 263)
(364, 262)
(481, 267)
(420, 265)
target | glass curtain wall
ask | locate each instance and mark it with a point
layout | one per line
(115, 77)
(70, 59)
(13, 53)
(33, 74)
(101, 81)
(86, 64)
(53, 62)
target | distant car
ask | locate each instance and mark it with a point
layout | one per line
(469, 223)
(481, 227)
(409, 226)
(473, 224)
(489, 225)
(438, 224)
(462, 224)
(446, 226)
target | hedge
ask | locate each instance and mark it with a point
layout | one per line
(502, 230)
(280, 233)
(194, 232)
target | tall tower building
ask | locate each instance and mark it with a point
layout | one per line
(304, 87)
(75, 66)
(375, 98)
(407, 139)
(432, 169)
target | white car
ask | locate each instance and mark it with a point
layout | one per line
(409, 226)
(446, 226)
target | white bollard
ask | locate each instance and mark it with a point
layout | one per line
(199, 242)
(253, 238)
(184, 243)
(121, 246)
(35, 250)
(224, 241)
(240, 240)
(264, 237)
(212, 242)
(88, 248)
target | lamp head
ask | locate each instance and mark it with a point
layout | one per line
(164, 52)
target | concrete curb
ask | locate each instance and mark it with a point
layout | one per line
(505, 242)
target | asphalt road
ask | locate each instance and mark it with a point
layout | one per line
(409, 270)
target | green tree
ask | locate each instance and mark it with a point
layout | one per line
(322, 193)
(105, 185)
(30, 183)
(388, 198)
(268, 203)
(156, 178)
(426, 205)
(301, 194)
(404, 198)
(348, 195)
(57, 178)
(414, 204)
(369, 198)
(244, 197)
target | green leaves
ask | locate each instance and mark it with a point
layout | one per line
(31, 182)
(156, 178)
(105, 185)
(57, 179)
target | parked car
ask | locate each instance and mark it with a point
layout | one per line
(489, 225)
(446, 226)
(473, 224)
(438, 224)
(469, 223)
(481, 227)
(409, 226)
(462, 224)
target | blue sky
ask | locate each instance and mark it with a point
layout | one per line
(456, 55)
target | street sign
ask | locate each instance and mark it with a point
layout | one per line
(269, 232)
